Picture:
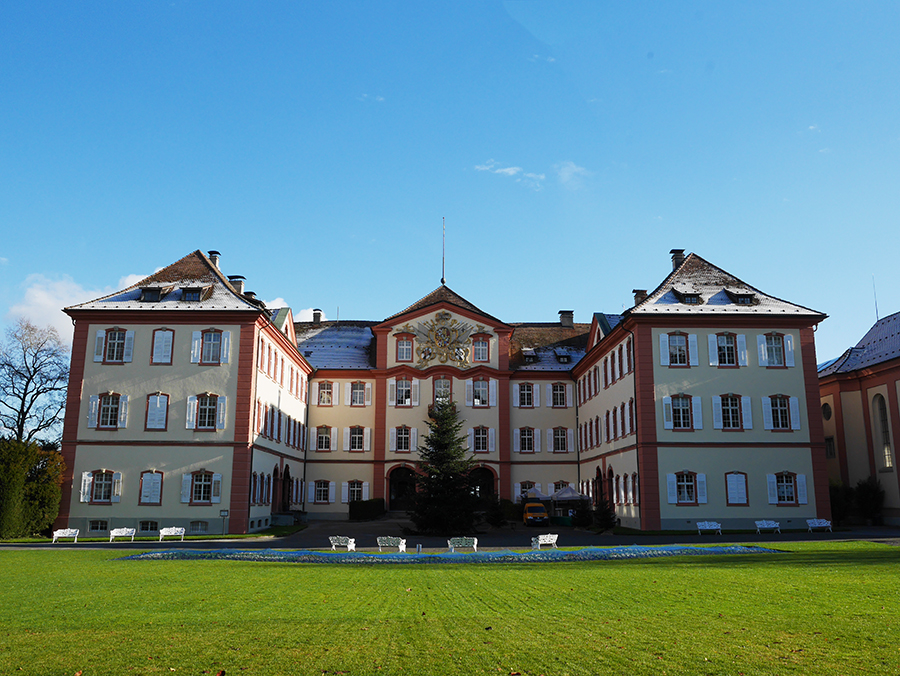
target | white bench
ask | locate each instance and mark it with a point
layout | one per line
(342, 541)
(173, 531)
(453, 543)
(773, 526)
(385, 541)
(65, 533)
(819, 523)
(121, 533)
(714, 526)
(548, 539)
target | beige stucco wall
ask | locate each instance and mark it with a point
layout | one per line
(830, 430)
(885, 472)
(855, 436)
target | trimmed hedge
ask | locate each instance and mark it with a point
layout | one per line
(366, 510)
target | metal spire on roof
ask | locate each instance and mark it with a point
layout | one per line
(443, 249)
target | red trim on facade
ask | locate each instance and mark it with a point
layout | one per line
(814, 420)
(379, 476)
(242, 456)
(645, 418)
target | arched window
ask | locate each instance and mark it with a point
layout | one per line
(882, 430)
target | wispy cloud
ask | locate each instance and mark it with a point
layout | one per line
(3, 261)
(814, 127)
(537, 57)
(530, 179)
(571, 175)
(368, 98)
(825, 150)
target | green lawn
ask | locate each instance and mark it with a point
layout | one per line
(819, 608)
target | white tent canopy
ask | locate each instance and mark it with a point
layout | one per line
(568, 493)
(535, 494)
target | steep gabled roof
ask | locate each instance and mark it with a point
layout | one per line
(194, 271)
(715, 292)
(443, 294)
(880, 344)
(545, 343)
(336, 345)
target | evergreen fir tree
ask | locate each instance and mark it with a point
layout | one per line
(604, 513)
(444, 503)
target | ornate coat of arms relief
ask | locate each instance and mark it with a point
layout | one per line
(443, 340)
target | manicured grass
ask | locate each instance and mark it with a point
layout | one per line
(817, 608)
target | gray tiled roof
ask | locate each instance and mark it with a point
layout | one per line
(336, 345)
(717, 290)
(880, 344)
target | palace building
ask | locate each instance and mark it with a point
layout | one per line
(192, 404)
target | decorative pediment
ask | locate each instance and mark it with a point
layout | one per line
(442, 340)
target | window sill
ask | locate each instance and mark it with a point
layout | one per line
(886, 470)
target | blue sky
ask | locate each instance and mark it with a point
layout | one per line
(569, 145)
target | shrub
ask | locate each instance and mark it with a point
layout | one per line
(841, 501)
(584, 515)
(495, 515)
(869, 498)
(366, 510)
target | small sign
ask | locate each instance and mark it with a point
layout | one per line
(223, 513)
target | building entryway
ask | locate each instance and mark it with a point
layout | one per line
(402, 491)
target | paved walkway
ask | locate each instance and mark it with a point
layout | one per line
(315, 536)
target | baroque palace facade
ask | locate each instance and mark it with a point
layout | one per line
(192, 404)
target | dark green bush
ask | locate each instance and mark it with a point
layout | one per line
(841, 501)
(869, 498)
(366, 510)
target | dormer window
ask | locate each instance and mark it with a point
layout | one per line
(151, 295)
(529, 355)
(741, 297)
(691, 299)
(191, 295)
(562, 356)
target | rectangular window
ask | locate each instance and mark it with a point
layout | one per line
(727, 350)
(681, 413)
(356, 438)
(355, 491)
(404, 392)
(686, 485)
(212, 348)
(149, 526)
(162, 346)
(526, 440)
(480, 393)
(109, 411)
(323, 439)
(325, 394)
(98, 525)
(151, 488)
(678, 353)
(199, 527)
(526, 395)
(736, 488)
(775, 350)
(442, 390)
(322, 491)
(781, 418)
(480, 350)
(115, 346)
(404, 349)
(731, 412)
(786, 489)
(560, 435)
(481, 440)
(829, 448)
(157, 411)
(357, 394)
(403, 439)
(558, 394)
(206, 411)
(202, 488)
(102, 487)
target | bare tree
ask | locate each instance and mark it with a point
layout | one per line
(34, 374)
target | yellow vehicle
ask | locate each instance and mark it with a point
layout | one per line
(535, 514)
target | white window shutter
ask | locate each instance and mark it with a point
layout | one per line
(346, 438)
(162, 347)
(221, 411)
(492, 392)
(570, 440)
(93, 410)
(331, 491)
(413, 438)
(469, 394)
(186, 487)
(315, 393)
(492, 440)
(713, 349)
(569, 393)
(767, 413)
(392, 391)
(667, 413)
(692, 348)
(128, 352)
(515, 395)
(196, 346)
(517, 492)
(550, 447)
(742, 349)
(747, 413)
(190, 418)
(664, 349)
(701, 489)
(226, 350)
(99, 344)
(536, 435)
(334, 438)
(802, 496)
(717, 412)
(672, 489)
(87, 478)
(311, 492)
(123, 411)
(347, 391)
(794, 404)
(335, 394)
(549, 394)
(697, 412)
(615, 369)
(772, 488)
(788, 350)
(517, 440)
(761, 349)
(606, 378)
(536, 395)
(415, 392)
(368, 394)
(538, 487)
(471, 439)
(345, 492)
(393, 446)
(216, 488)
(621, 420)
(367, 438)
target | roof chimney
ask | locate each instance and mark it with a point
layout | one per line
(640, 295)
(677, 258)
(214, 257)
(317, 316)
(566, 318)
(237, 281)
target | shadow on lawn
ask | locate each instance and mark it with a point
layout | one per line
(831, 559)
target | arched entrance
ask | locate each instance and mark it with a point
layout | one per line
(286, 491)
(402, 482)
(482, 482)
(276, 491)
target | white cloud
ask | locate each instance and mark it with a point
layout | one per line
(814, 127)
(508, 171)
(3, 261)
(366, 97)
(277, 303)
(825, 150)
(306, 315)
(571, 175)
(530, 179)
